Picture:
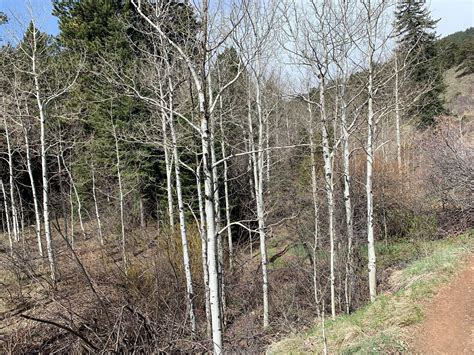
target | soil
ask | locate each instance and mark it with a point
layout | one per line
(448, 327)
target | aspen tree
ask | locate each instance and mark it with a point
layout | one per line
(7, 216)
(199, 70)
(373, 16)
(182, 218)
(15, 222)
(44, 162)
(202, 231)
(33, 191)
(200, 81)
(226, 186)
(314, 191)
(313, 45)
(120, 198)
(29, 168)
(96, 206)
(61, 191)
(76, 195)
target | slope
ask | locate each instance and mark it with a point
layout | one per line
(390, 323)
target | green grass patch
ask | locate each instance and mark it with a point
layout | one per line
(380, 327)
(295, 251)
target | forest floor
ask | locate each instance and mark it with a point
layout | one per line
(426, 309)
(425, 282)
(448, 327)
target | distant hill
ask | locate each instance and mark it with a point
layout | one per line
(459, 94)
(457, 51)
(457, 59)
(459, 37)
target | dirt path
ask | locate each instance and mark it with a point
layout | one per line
(448, 327)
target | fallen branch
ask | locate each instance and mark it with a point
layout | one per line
(66, 328)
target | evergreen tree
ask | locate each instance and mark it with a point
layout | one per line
(417, 40)
(98, 28)
(111, 31)
(457, 50)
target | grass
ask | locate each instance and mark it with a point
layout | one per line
(295, 250)
(382, 326)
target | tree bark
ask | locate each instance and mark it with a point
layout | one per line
(329, 186)
(7, 215)
(15, 229)
(397, 117)
(121, 200)
(314, 191)
(369, 163)
(96, 208)
(78, 198)
(44, 165)
(202, 231)
(33, 192)
(258, 167)
(182, 219)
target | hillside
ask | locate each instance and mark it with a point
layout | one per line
(391, 323)
(457, 51)
(459, 93)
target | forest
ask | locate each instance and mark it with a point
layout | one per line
(213, 176)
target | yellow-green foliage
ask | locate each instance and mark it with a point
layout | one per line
(169, 250)
(171, 244)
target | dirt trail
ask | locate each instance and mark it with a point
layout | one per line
(448, 327)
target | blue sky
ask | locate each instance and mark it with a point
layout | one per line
(455, 15)
(19, 14)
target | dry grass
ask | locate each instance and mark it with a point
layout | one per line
(111, 308)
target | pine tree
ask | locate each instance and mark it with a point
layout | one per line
(417, 40)
(98, 28)
(111, 31)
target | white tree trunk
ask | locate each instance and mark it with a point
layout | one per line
(7, 215)
(258, 172)
(227, 202)
(96, 207)
(397, 117)
(314, 191)
(44, 168)
(347, 196)
(142, 212)
(61, 192)
(121, 200)
(268, 151)
(212, 260)
(202, 232)
(71, 207)
(33, 191)
(369, 180)
(182, 219)
(349, 218)
(226, 183)
(78, 198)
(199, 79)
(217, 207)
(370, 207)
(168, 167)
(329, 186)
(214, 288)
(15, 228)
